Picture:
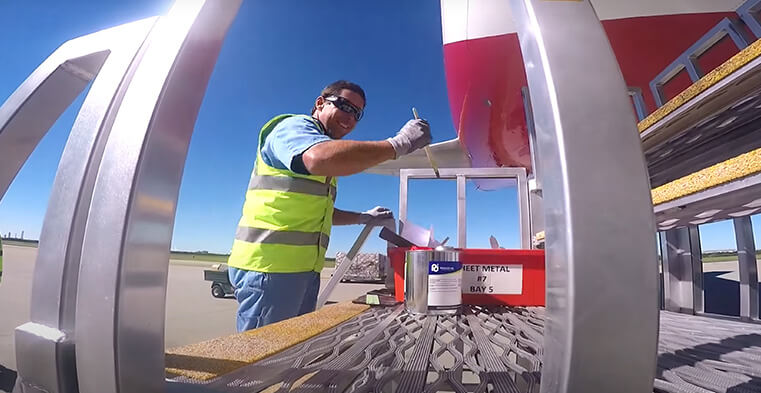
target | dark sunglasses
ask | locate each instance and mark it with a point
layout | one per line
(346, 106)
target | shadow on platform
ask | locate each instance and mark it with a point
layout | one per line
(722, 296)
(7, 379)
(671, 366)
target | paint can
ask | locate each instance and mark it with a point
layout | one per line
(433, 281)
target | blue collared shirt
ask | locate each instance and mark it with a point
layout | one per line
(289, 140)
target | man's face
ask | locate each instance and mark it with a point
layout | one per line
(331, 111)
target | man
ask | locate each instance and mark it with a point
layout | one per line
(280, 243)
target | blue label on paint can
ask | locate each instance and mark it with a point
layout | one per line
(444, 284)
(444, 267)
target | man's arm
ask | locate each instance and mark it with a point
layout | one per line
(376, 216)
(346, 157)
(343, 217)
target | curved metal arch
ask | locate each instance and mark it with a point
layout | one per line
(27, 115)
(601, 332)
(45, 346)
(120, 321)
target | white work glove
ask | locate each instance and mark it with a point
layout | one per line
(414, 135)
(376, 216)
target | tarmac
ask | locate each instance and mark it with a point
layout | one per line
(192, 314)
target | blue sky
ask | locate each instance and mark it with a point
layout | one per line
(276, 58)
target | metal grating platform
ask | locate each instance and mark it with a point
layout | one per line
(485, 350)
(698, 354)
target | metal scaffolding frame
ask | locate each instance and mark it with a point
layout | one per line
(684, 289)
(112, 207)
(462, 175)
(45, 346)
(683, 271)
(746, 258)
(111, 216)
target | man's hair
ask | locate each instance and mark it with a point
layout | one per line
(335, 88)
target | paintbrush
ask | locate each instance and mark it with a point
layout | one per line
(428, 150)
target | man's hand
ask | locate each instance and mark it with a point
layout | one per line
(376, 216)
(414, 135)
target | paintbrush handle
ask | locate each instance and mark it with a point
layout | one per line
(427, 149)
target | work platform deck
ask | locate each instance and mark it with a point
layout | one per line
(486, 349)
(703, 148)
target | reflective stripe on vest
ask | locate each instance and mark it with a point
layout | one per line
(292, 184)
(287, 217)
(292, 238)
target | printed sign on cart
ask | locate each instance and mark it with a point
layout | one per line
(492, 279)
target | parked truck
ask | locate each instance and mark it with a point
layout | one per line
(220, 281)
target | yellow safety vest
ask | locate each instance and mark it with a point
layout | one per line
(286, 221)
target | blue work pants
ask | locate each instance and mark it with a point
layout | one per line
(265, 298)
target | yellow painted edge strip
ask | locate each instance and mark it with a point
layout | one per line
(741, 166)
(219, 356)
(733, 64)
